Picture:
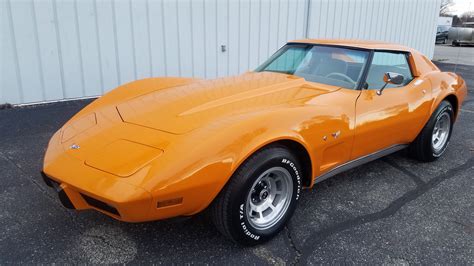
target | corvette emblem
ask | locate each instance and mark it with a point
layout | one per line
(74, 147)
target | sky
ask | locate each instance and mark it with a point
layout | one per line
(461, 6)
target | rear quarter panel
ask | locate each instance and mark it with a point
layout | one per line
(445, 84)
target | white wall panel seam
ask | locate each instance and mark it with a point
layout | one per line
(99, 52)
(238, 32)
(259, 27)
(132, 38)
(427, 27)
(204, 38)
(335, 20)
(117, 58)
(406, 25)
(372, 23)
(78, 36)
(269, 27)
(165, 60)
(101, 74)
(228, 33)
(347, 6)
(217, 39)
(15, 51)
(307, 17)
(416, 6)
(249, 30)
(435, 15)
(58, 44)
(287, 19)
(320, 19)
(326, 33)
(38, 55)
(192, 36)
(422, 18)
(295, 30)
(278, 23)
(150, 54)
(179, 50)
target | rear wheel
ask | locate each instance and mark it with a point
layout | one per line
(260, 197)
(434, 138)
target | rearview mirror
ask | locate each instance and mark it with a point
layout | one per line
(391, 78)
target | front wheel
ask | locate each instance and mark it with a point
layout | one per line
(434, 138)
(260, 197)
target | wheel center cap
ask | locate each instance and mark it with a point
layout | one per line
(263, 194)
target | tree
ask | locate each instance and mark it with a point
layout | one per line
(456, 21)
(465, 17)
(444, 10)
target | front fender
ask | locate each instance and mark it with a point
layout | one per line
(197, 167)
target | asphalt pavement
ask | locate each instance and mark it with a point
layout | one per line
(391, 211)
(454, 54)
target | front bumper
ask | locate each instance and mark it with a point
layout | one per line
(140, 197)
(128, 209)
(66, 201)
(81, 187)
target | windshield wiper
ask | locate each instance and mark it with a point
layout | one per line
(280, 71)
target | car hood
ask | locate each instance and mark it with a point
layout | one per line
(180, 109)
(126, 129)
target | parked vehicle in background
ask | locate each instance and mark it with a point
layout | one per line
(461, 35)
(442, 34)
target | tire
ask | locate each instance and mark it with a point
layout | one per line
(425, 147)
(230, 211)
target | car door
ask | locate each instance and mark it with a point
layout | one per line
(395, 116)
(331, 131)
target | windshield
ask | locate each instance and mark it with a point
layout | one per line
(330, 65)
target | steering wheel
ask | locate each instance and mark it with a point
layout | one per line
(340, 75)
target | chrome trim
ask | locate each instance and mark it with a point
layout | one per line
(360, 161)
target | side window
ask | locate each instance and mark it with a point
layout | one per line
(383, 62)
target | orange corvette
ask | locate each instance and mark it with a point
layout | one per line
(243, 147)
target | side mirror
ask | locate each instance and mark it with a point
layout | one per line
(391, 78)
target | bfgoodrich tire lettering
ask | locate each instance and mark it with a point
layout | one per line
(231, 211)
(424, 147)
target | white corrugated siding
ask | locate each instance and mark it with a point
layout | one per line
(63, 49)
(409, 22)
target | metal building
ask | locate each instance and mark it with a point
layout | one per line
(66, 49)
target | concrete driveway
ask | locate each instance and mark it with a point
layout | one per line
(391, 211)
